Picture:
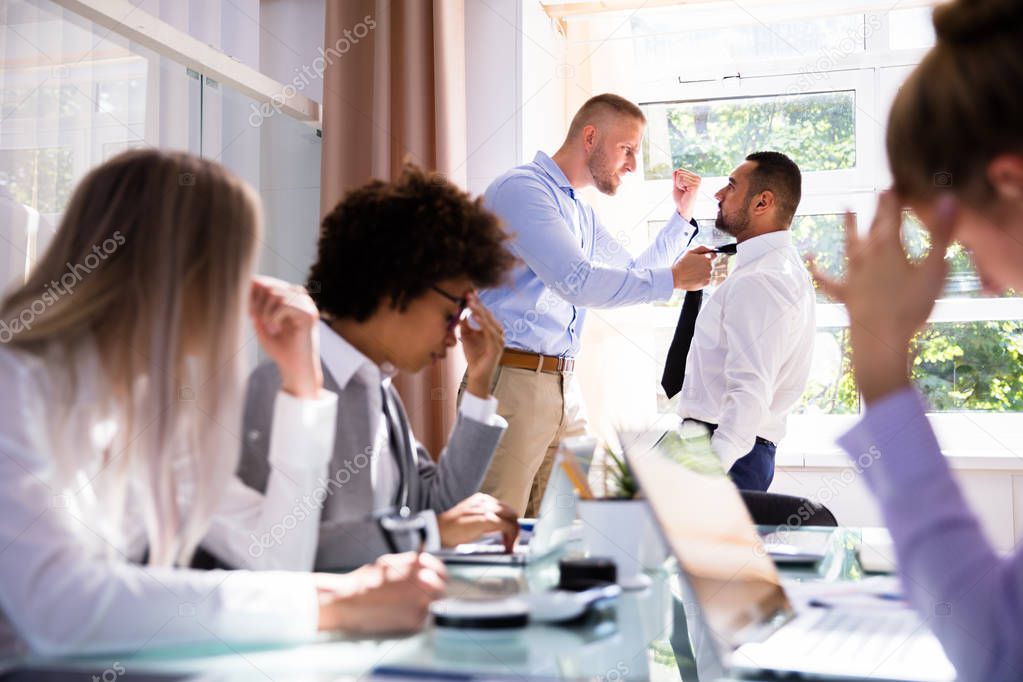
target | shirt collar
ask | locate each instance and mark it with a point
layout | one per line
(344, 361)
(761, 245)
(554, 171)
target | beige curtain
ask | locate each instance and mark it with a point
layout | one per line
(396, 91)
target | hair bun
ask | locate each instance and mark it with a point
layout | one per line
(967, 21)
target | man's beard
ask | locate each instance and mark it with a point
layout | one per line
(603, 177)
(733, 226)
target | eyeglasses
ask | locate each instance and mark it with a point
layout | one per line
(463, 304)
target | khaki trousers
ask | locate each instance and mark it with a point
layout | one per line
(541, 409)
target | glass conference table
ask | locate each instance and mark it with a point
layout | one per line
(643, 637)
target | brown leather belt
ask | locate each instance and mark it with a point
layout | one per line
(521, 359)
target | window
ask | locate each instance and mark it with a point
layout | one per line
(830, 389)
(910, 28)
(717, 81)
(728, 34)
(712, 137)
(38, 177)
(823, 235)
(971, 366)
(73, 94)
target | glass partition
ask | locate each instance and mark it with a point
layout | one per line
(280, 157)
(72, 95)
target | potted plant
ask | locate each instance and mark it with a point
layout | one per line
(619, 525)
(619, 483)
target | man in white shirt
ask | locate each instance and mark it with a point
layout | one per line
(750, 355)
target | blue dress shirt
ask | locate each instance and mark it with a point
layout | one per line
(569, 260)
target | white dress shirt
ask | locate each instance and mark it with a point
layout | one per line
(68, 583)
(345, 363)
(751, 352)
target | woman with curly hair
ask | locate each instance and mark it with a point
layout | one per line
(395, 279)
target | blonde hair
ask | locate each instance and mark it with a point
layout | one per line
(961, 107)
(598, 109)
(151, 263)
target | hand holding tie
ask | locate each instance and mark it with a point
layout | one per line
(692, 270)
(685, 328)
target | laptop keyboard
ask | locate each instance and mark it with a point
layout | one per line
(841, 632)
(890, 644)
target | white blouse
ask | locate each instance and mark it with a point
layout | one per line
(68, 583)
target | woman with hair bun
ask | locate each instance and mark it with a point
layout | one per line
(955, 146)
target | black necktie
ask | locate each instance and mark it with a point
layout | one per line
(675, 363)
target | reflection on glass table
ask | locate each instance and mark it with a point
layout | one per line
(645, 640)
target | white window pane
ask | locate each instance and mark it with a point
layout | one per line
(822, 235)
(665, 40)
(970, 366)
(818, 131)
(830, 388)
(962, 280)
(958, 366)
(910, 28)
(280, 157)
(72, 95)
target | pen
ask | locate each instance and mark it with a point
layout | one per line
(575, 476)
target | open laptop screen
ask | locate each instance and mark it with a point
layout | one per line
(709, 531)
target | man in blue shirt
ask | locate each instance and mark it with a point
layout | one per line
(571, 262)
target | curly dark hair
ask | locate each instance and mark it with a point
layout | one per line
(394, 240)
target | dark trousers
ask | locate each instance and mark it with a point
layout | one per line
(754, 470)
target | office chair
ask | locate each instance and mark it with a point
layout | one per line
(773, 509)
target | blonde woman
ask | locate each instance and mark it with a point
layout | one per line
(119, 432)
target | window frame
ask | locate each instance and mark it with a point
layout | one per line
(874, 75)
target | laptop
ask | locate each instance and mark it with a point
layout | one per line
(743, 622)
(553, 528)
(798, 546)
